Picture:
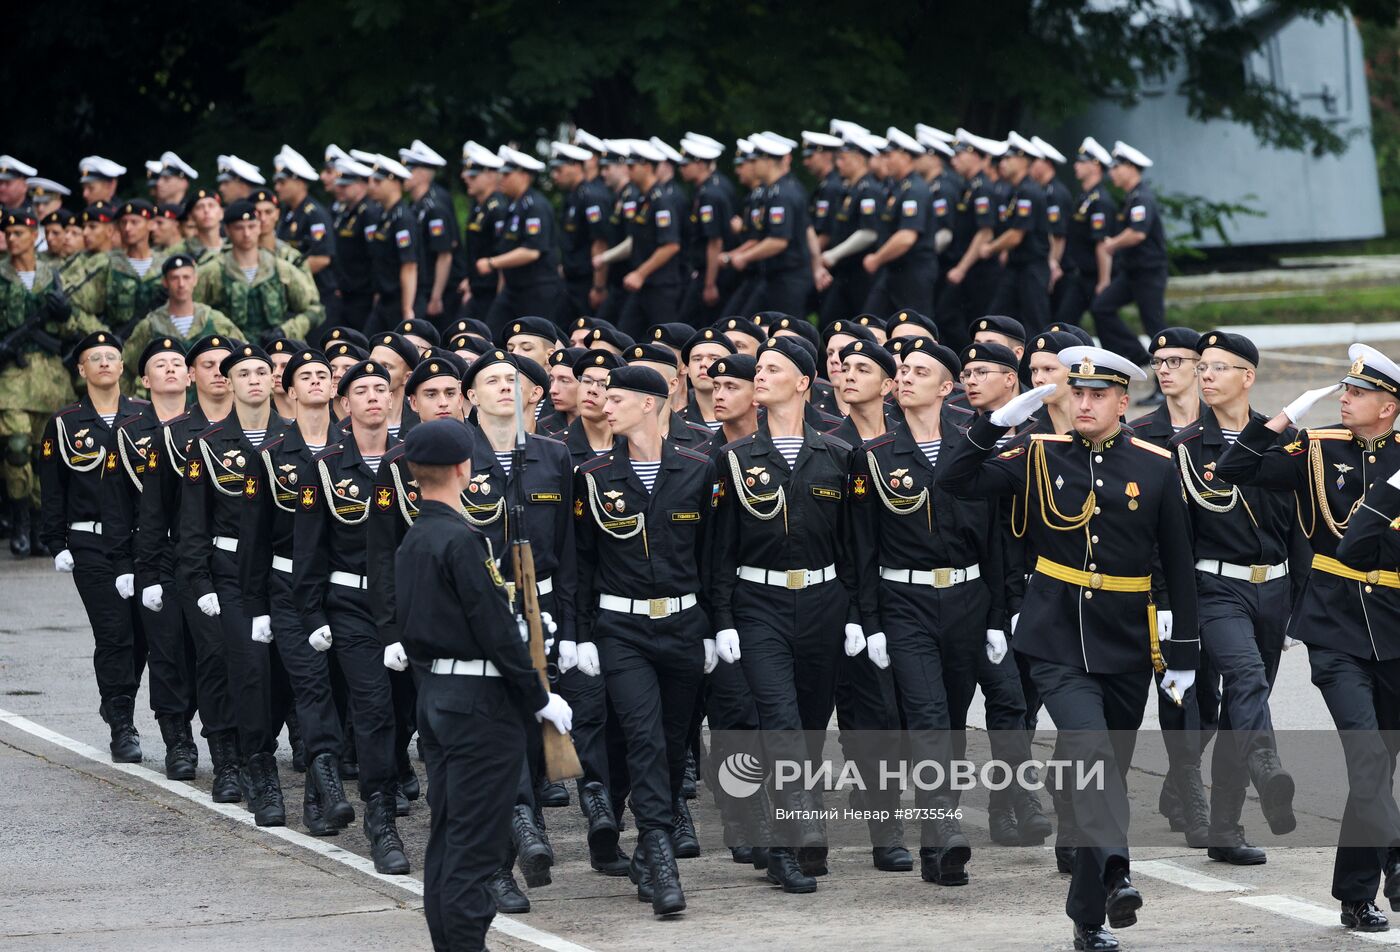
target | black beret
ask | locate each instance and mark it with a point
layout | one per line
(59, 216)
(800, 326)
(98, 211)
(912, 318)
(1073, 330)
(1049, 342)
(95, 339)
(530, 326)
(740, 325)
(532, 369)
(169, 210)
(608, 335)
(438, 443)
(495, 355)
(420, 328)
(161, 345)
(435, 363)
(470, 325)
(998, 324)
(284, 345)
(585, 323)
(302, 358)
(597, 357)
(364, 368)
(208, 343)
(991, 354)
(868, 320)
(18, 218)
(263, 195)
(939, 352)
(241, 354)
(707, 336)
(863, 348)
(672, 335)
(896, 344)
(138, 207)
(473, 343)
(766, 319)
(741, 366)
(655, 353)
(639, 379)
(566, 357)
(794, 350)
(343, 348)
(193, 196)
(241, 210)
(399, 345)
(347, 334)
(849, 328)
(178, 260)
(1183, 337)
(805, 344)
(1237, 344)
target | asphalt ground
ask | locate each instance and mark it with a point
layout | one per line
(99, 856)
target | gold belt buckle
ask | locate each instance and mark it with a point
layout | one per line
(796, 579)
(1096, 581)
(942, 578)
(1373, 576)
(1259, 574)
(658, 607)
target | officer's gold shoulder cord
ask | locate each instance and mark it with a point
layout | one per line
(1318, 490)
(1046, 498)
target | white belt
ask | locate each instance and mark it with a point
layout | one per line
(544, 586)
(349, 580)
(795, 579)
(226, 543)
(481, 668)
(94, 527)
(281, 563)
(651, 607)
(1258, 574)
(938, 578)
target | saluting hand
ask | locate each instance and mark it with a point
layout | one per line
(1021, 408)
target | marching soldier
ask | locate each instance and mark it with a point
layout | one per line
(590, 436)
(972, 280)
(1024, 290)
(905, 265)
(778, 246)
(674, 428)
(526, 256)
(1345, 613)
(394, 247)
(1088, 265)
(356, 224)
(397, 358)
(131, 285)
(204, 209)
(98, 176)
(563, 392)
(165, 227)
(855, 227)
(707, 234)
(269, 211)
(440, 266)
(180, 317)
(586, 204)
(304, 225)
(1093, 527)
(1057, 206)
(486, 222)
(78, 446)
(237, 178)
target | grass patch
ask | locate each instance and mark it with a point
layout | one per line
(1337, 306)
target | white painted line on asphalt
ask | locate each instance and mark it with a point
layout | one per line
(235, 812)
(1179, 875)
(1315, 914)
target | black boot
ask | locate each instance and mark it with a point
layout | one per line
(534, 853)
(945, 863)
(1034, 826)
(1093, 938)
(887, 848)
(312, 815)
(223, 753)
(759, 826)
(179, 765)
(1195, 812)
(297, 744)
(784, 871)
(1169, 804)
(19, 529)
(383, 834)
(266, 791)
(36, 542)
(409, 784)
(551, 794)
(684, 841)
(506, 891)
(603, 854)
(667, 899)
(1275, 788)
(126, 742)
(349, 759)
(1364, 916)
(639, 871)
(1123, 902)
(324, 775)
(1391, 889)
(1001, 821)
(1227, 843)
(691, 777)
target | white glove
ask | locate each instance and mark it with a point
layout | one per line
(1014, 619)
(588, 660)
(1164, 626)
(942, 238)
(568, 656)
(209, 604)
(153, 597)
(262, 629)
(1290, 642)
(875, 648)
(547, 622)
(394, 658)
(558, 713)
(996, 645)
(1295, 410)
(1020, 409)
(63, 562)
(711, 659)
(855, 639)
(727, 645)
(1180, 680)
(320, 639)
(126, 585)
(547, 627)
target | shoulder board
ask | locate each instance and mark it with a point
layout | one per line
(691, 455)
(741, 441)
(836, 441)
(1050, 437)
(882, 440)
(393, 453)
(595, 463)
(332, 450)
(68, 409)
(1151, 448)
(1192, 432)
(1340, 433)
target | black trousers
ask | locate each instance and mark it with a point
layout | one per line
(117, 659)
(1146, 289)
(784, 291)
(1074, 293)
(650, 305)
(1086, 708)
(961, 304)
(478, 306)
(1363, 696)
(473, 740)
(215, 701)
(170, 656)
(403, 690)
(354, 309)
(249, 663)
(588, 698)
(307, 669)
(908, 287)
(737, 303)
(385, 315)
(1006, 716)
(653, 669)
(574, 301)
(850, 286)
(693, 309)
(1024, 293)
(536, 300)
(355, 641)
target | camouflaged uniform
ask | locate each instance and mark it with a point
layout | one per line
(159, 324)
(196, 249)
(281, 297)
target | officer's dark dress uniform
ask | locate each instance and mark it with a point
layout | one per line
(394, 244)
(532, 289)
(715, 202)
(908, 280)
(1093, 219)
(859, 208)
(355, 229)
(485, 227)
(656, 222)
(959, 304)
(1024, 289)
(1139, 277)
(1089, 509)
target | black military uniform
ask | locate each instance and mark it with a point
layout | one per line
(657, 221)
(859, 208)
(355, 229)
(785, 280)
(308, 228)
(624, 206)
(586, 210)
(1093, 219)
(961, 303)
(1139, 277)
(908, 280)
(1024, 289)
(714, 203)
(438, 233)
(1090, 509)
(485, 227)
(477, 687)
(532, 289)
(395, 243)
(1058, 203)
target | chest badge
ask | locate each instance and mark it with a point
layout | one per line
(1132, 492)
(900, 477)
(1342, 470)
(1059, 482)
(614, 503)
(757, 475)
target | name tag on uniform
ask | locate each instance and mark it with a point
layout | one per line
(825, 492)
(546, 497)
(685, 517)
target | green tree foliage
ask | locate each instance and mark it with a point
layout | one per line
(1383, 74)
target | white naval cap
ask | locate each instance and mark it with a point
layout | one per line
(514, 159)
(671, 154)
(1372, 370)
(48, 186)
(291, 162)
(474, 155)
(779, 137)
(564, 152)
(1126, 153)
(933, 139)
(819, 140)
(763, 143)
(1048, 151)
(1091, 150)
(13, 168)
(703, 148)
(348, 169)
(590, 142)
(420, 153)
(1017, 144)
(154, 167)
(173, 165)
(232, 167)
(95, 168)
(846, 130)
(385, 167)
(333, 152)
(967, 140)
(1096, 367)
(865, 142)
(360, 155)
(899, 139)
(619, 147)
(642, 149)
